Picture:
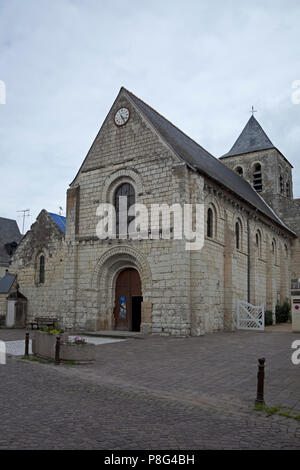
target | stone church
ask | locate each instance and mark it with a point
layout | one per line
(251, 228)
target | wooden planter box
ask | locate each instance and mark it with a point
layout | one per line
(43, 345)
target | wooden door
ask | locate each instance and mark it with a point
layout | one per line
(128, 285)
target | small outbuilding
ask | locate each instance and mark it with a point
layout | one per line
(13, 304)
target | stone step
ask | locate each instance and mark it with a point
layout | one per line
(115, 334)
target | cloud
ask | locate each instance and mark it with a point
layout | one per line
(201, 64)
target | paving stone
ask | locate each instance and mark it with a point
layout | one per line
(159, 393)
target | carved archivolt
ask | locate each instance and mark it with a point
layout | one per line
(118, 177)
(106, 271)
(121, 257)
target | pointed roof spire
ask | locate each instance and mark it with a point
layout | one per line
(252, 138)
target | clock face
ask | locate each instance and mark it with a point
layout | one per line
(121, 116)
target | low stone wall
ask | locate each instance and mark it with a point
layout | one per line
(77, 352)
(43, 345)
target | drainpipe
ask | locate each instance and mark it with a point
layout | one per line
(249, 264)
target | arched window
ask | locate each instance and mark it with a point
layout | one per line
(273, 250)
(281, 184)
(287, 189)
(257, 177)
(239, 171)
(210, 223)
(42, 269)
(238, 235)
(124, 199)
(258, 243)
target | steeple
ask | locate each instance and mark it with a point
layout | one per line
(252, 139)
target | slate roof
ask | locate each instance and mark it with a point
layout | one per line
(201, 160)
(6, 283)
(9, 232)
(251, 139)
(59, 220)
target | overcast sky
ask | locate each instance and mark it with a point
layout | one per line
(202, 64)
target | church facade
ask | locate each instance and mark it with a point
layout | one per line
(153, 284)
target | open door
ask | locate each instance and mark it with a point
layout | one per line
(128, 298)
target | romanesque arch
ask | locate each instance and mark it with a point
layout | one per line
(212, 204)
(124, 175)
(105, 273)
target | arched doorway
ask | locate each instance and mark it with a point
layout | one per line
(128, 299)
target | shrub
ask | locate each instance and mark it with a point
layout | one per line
(283, 312)
(51, 331)
(268, 317)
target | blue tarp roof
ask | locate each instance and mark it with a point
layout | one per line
(60, 221)
(6, 282)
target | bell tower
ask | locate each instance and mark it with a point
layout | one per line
(255, 158)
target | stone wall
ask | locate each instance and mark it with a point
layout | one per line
(133, 154)
(44, 238)
(289, 211)
(273, 165)
(219, 274)
(185, 291)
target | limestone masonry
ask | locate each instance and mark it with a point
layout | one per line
(251, 250)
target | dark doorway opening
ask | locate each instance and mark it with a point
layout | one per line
(128, 298)
(136, 313)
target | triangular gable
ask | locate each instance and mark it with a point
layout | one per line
(122, 93)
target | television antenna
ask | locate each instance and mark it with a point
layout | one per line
(25, 214)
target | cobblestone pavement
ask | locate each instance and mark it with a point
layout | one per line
(157, 393)
(220, 368)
